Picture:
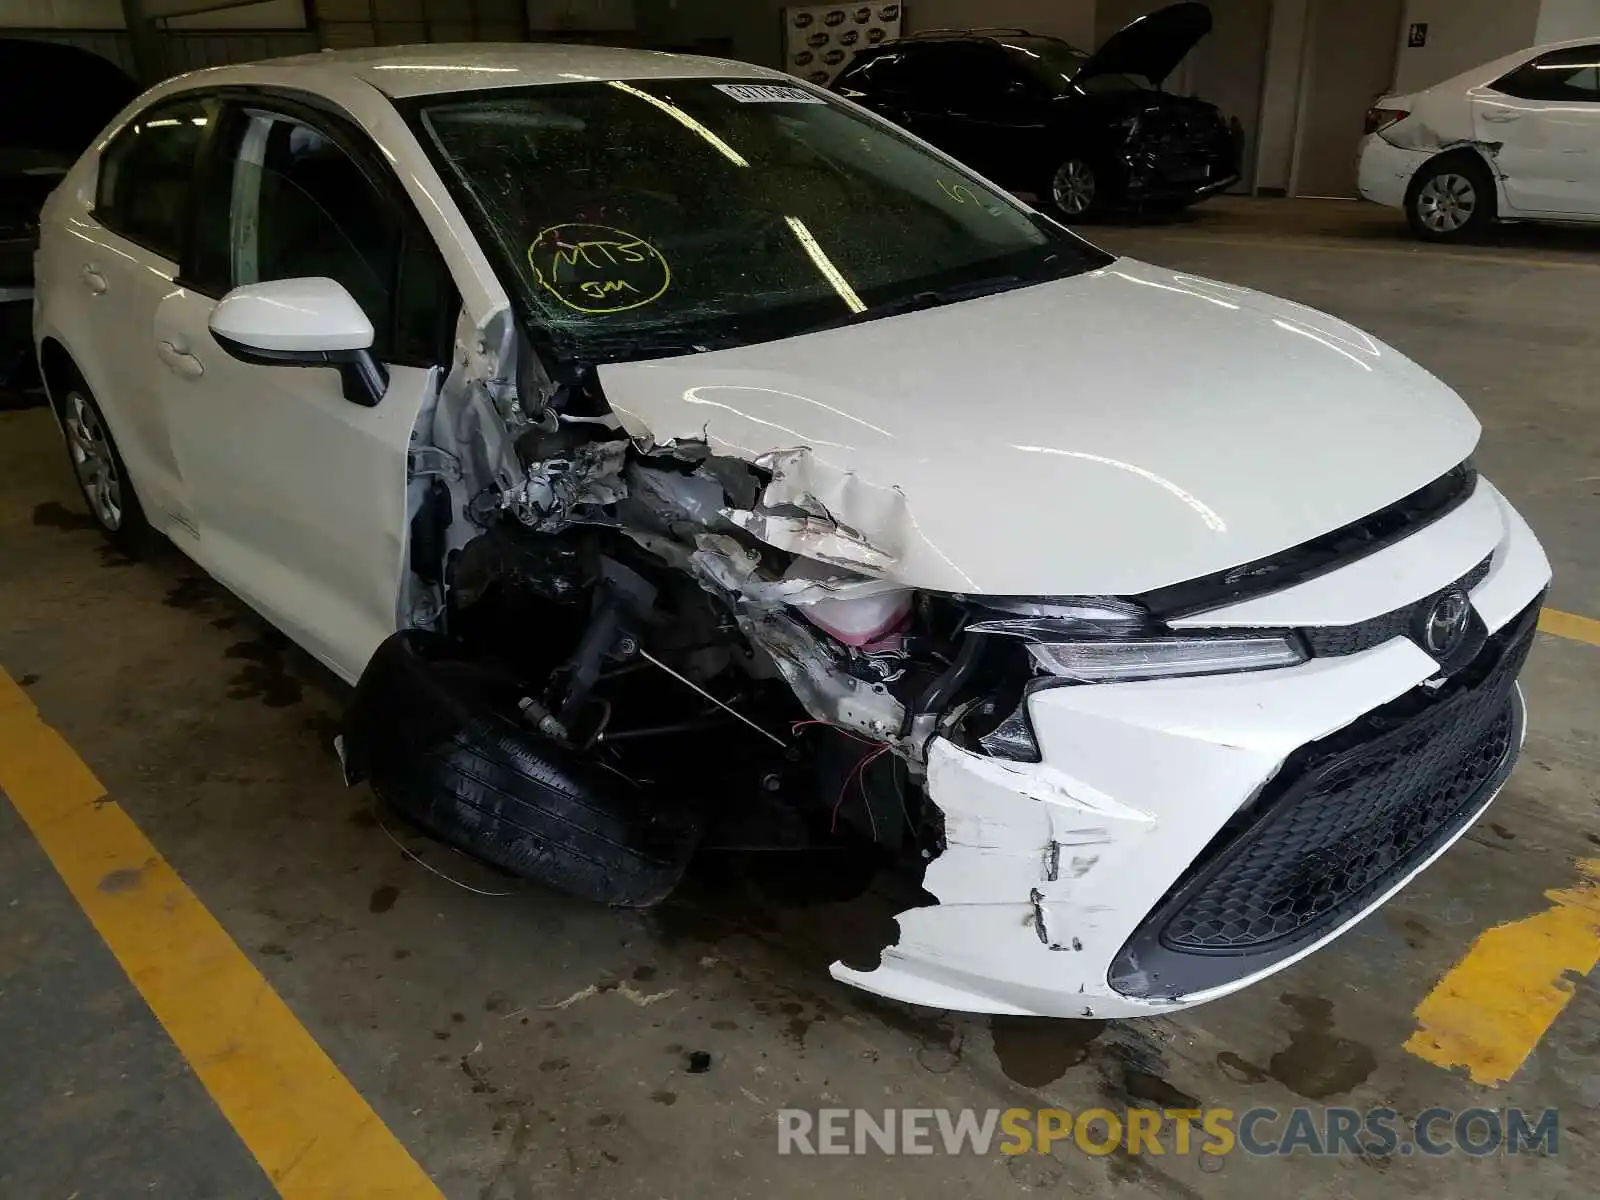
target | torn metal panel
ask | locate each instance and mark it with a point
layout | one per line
(468, 421)
(736, 569)
(818, 511)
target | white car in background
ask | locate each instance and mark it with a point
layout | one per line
(1515, 139)
(658, 442)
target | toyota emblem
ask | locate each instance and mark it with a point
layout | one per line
(1445, 624)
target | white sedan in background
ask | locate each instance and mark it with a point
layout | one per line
(658, 441)
(1515, 139)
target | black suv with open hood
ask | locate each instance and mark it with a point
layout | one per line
(1084, 132)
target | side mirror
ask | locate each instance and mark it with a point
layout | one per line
(311, 322)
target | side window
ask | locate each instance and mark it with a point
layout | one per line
(145, 175)
(1571, 75)
(287, 202)
(983, 71)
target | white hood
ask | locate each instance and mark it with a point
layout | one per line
(1109, 433)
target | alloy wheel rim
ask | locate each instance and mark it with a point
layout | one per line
(93, 462)
(1073, 187)
(1447, 202)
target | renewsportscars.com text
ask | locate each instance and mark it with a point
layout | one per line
(1261, 1132)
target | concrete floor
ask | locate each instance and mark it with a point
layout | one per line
(448, 1009)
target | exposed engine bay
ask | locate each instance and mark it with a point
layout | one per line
(657, 601)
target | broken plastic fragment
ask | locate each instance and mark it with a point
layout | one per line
(551, 490)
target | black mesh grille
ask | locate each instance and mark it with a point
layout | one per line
(1355, 811)
(1330, 640)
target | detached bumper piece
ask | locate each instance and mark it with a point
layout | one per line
(1346, 818)
(441, 741)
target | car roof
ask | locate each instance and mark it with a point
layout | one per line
(996, 34)
(401, 71)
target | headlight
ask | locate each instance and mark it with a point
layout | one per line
(1163, 658)
(1096, 640)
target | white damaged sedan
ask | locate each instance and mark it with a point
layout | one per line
(659, 444)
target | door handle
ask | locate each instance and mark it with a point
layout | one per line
(1500, 116)
(93, 280)
(180, 362)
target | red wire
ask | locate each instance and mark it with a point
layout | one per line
(858, 773)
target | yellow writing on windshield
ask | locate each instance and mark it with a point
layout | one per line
(598, 268)
(959, 192)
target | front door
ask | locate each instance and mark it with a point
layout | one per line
(301, 493)
(1544, 119)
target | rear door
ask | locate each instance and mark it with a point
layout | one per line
(1545, 118)
(122, 262)
(300, 493)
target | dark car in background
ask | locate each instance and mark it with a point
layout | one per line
(42, 132)
(1083, 132)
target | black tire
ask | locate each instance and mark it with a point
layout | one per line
(97, 466)
(439, 740)
(1451, 199)
(1076, 190)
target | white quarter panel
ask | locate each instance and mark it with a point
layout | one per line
(1384, 170)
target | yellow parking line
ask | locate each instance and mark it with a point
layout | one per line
(1420, 253)
(1489, 1012)
(1569, 625)
(307, 1126)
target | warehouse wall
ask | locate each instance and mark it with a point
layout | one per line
(750, 29)
(1563, 19)
(1462, 34)
(346, 23)
(265, 30)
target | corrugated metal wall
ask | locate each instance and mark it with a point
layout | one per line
(180, 51)
(342, 23)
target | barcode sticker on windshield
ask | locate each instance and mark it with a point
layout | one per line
(767, 93)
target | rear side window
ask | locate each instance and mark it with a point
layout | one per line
(1571, 76)
(146, 172)
(979, 68)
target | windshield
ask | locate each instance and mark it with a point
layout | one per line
(642, 219)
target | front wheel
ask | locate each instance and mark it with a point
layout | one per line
(100, 472)
(1076, 190)
(1451, 200)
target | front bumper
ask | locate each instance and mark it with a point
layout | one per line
(1056, 876)
(1178, 181)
